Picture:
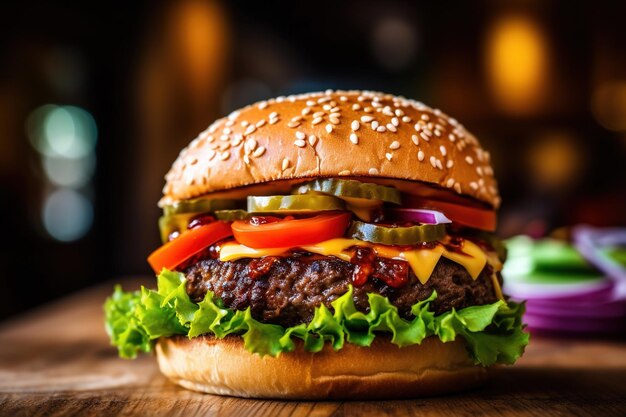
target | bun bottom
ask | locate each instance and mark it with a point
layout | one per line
(382, 371)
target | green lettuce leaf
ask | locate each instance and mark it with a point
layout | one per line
(493, 333)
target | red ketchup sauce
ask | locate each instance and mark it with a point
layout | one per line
(392, 272)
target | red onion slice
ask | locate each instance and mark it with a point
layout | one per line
(419, 216)
(590, 241)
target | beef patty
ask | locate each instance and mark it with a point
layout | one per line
(291, 287)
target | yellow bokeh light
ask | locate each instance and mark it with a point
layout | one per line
(517, 64)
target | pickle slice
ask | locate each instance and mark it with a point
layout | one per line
(293, 203)
(350, 189)
(396, 235)
(201, 205)
(230, 215)
(173, 223)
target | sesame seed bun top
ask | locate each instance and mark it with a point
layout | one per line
(333, 134)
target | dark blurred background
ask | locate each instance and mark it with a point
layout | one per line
(97, 98)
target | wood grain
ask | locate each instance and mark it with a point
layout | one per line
(56, 361)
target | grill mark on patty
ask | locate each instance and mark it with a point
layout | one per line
(292, 287)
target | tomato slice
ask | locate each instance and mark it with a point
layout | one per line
(475, 217)
(289, 233)
(190, 242)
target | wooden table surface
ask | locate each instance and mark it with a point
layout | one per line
(56, 360)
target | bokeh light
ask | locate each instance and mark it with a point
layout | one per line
(65, 137)
(609, 105)
(517, 64)
(394, 43)
(62, 131)
(69, 172)
(67, 214)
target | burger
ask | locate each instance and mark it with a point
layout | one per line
(328, 245)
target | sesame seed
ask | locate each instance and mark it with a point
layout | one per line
(391, 128)
(326, 107)
(274, 121)
(343, 98)
(259, 151)
(229, 123)
(223, 146)
(424, 136)
(367, 110)
(300, 135)
(238, 139)
(317, 120)
(366, 119)
(439, 164)
(450, 182)
(395, 121)
(373, 171)
(437, 132)
(469, 160)
(297, 118)
(425, 117)
(310, 103)
(406, 119)
(334, 120)
(224, 155)
(286, 163)
(344, 172)
(381, 129)
(262, 105)
(473, 185)
(457, 187)
(250, 129)
(417, 127)
(354, 138)
(246, 159)
(260, 123)
(273, 115)
(293, 124)
(388, 156)
(227, 131)
(329, 128)
(312, 140)
(300, 143)
(443, 150)
(451, 137)
(210, 154)
(449, 164)
(433, 161)
(335, 110)
(306, 111)
(415, 140)
(224, 138)
(427, 131)
(420, 156)
(356, 106)
(355, 125)
(212, 128)
(399, 112)
(479, 171)
(375, 125)
(394, 145)
(319, 114)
